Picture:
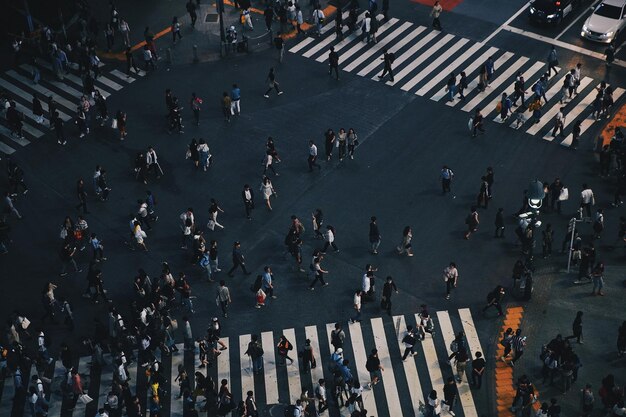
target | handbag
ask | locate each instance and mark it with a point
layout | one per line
(85, 399)
(564, 194)
(114, 124)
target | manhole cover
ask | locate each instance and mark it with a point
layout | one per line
(210, 18)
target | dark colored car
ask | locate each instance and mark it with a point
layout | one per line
(551, 11)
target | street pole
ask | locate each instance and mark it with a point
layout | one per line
(572, 225)
(219, 4)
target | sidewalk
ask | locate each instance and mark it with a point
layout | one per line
(552, 310)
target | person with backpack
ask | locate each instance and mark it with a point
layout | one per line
(374, 367)
(494, 298)
(337, 336)
(388, 58)
(284, 346)
(255, 353)
(456, 345)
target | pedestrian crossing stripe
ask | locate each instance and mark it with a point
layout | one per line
(66, 91)
(400, 393)
(424, 59)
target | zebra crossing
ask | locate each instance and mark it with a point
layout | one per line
(402, 393)
(17, 85)
(424, 59)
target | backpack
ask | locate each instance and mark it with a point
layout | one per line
(369, 365)
(258, 349)
(335, 340)
(454, 346)
(409, 339)
(392, 57)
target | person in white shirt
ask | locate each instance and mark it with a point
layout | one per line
(153, 162)
(587, 200)
(366, 27)
(576, 76)
(320, 395)
(559, 122)
(298, 411)
(329, 237)
(313, 157)
(356, 303)
(318, 19)
(142, 213)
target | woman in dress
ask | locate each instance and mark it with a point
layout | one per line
(405, 245)
(267, 190)
(204, 155)
(193, 152)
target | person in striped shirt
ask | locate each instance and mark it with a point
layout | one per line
(518, 343)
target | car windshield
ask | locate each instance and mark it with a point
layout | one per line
(606, 10)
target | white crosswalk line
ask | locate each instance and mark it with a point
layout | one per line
(7, 133)
(467, 401)
(247, 374)
(119, 74)
(471, 334)
(28, 97)
(109, 83)
(55, 401)
(293, 370)
(31, 130)
(380, 46)
(360, 45)
(537, 66)
(58, 84)
(495, 83)
(430, 68)
(589, 120)
(40, 89)
(441, 75)
(548, 116)
(269, 368)
(6, 149)
(377, 64)
(556, 87)
(316, 373)
(106, 380)
(474, 83)
(176, 404)
(71, 77)
(572, 114)
(347, 40)
(8, 392)
(308, 40)
(322, 46)
(388, 377)
(432, 363)
(468, 71)
(360, 357)
(410, 369)
(141, 72)
(417, 61)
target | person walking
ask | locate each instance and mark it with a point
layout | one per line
(223, 297)
(388, 58)
(559, 122)
(450, 277)
(374, 367)
(308, 356)
(435, 13)
(81, 194)
(587, 200)
(318, 272)
(255, 353)
(267, 190)
(499, 223)
(409, 341)
(577, 328)
(283, 347)
(333, 62)
(195, 104)
(477, 123)
(235, 100)
(272, 83)
(356, 304)
(597, 275)
(518, 343)
(238, 260)
(248, 200)
(598, 223)
(552, 62)
(446, 179)
(279, 43)
(494, 298)
(389, 287)
(609, 53)
(472, 221)
(312, 160)
(329, 238)
(374, 236)
(405, 245)
(449, 395)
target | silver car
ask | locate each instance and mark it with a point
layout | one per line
(606, 21)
